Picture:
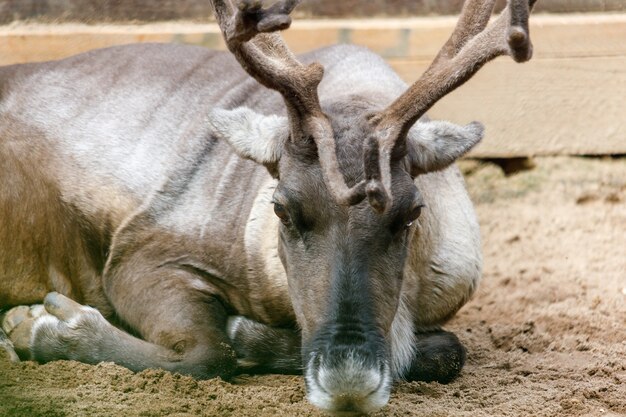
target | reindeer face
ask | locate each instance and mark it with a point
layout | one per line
(344, 262)
(326, 246)
(344, 265)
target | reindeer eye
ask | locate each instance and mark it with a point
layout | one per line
(414, 215)
(282, 213)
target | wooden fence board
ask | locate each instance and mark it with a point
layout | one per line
(99, 11)
(570, 99)
(574, 106)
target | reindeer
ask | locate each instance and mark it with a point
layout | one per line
(172, 212)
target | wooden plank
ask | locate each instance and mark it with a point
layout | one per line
(554, 36)
(96, 11)
(570, 99)
(33, 43)
(574, 106)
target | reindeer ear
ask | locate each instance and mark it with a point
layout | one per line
(434, 145)
(252, 135)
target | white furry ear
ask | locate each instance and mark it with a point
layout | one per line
(434, 145)
(252, 135)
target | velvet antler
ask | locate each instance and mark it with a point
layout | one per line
(250, 35)
(471, 45)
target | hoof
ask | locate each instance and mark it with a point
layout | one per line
(262, 349)
(66, 331)
(6, 348)
(58, 329)
(440, 357)
(17, 324)
(62, 307)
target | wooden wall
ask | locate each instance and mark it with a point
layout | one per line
(199, 10)
(570, 99)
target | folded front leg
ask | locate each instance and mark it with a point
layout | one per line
(264, 349)
(75, 332)
(439, 356)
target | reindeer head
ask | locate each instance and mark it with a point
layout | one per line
(346, 195)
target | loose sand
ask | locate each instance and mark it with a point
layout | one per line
(546, 333)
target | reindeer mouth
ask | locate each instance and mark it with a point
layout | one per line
(351, 385)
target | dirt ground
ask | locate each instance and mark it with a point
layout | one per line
(546, 333)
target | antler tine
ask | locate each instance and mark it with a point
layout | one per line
(508, 35)
(247, 32)
(474, 17)
(264, 55)
(471, 45)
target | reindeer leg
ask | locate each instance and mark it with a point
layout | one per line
(440, 356)
(264, 349)
(65, 329)
(76, 332)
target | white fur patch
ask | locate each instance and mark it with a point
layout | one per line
(47, 320)
(252, 135)
(402, 340)
(74, 322)
(232, 326)
(199, 285)
(352, 386)
(266, 274)
(439, 143)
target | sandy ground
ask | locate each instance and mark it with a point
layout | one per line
(546, 333)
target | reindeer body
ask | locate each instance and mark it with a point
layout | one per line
(109, 135)
(87, 151)
(215, 226)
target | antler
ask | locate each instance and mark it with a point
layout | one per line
(249, 34)
(470, 46)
